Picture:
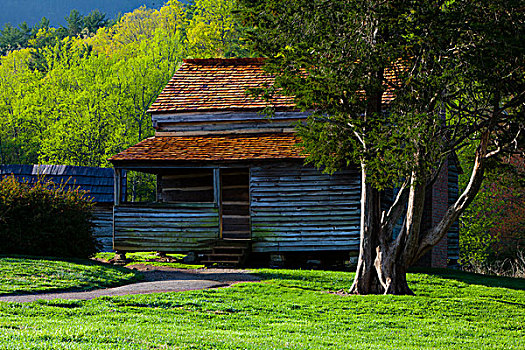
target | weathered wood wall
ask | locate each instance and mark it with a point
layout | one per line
(297, 208)
(103, 227)
(160, 121)
(217, 128)
(175, 228)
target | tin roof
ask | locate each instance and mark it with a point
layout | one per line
(214, 148)
(217, 85)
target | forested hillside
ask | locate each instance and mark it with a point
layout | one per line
(83, 98)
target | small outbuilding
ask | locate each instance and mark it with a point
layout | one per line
(230, 180)
(97, 182)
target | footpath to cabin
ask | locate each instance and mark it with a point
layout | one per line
(158, 279)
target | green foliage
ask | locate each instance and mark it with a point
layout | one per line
(12, 38)
(44, 219)
(141, 187)
(213, 31)
(75, 23)
(290, 309)
(492, 227)
(32, 274)
(339, 58)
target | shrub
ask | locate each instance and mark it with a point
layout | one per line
(44, 219)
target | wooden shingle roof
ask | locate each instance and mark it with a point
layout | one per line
(214, 148)
(201, 85)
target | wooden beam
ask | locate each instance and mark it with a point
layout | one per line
(217, 192)
(117, 186)
(225, 132)
(188, 189)
(224, 116)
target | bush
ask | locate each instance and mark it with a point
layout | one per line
(44, 219)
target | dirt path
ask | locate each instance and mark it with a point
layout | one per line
(158, 279)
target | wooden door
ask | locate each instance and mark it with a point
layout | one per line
(235, 203)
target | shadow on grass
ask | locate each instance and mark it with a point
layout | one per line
(345, 279)
(474, 278)
(51, 269)
(165, 273)
(319, 280)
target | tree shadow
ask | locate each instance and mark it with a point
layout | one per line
(155, 273)
(474, 278)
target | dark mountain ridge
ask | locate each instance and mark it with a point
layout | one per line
(32, 11)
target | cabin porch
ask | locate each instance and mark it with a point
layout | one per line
(193, 209)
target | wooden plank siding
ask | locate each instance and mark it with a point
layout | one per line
(159, 120)
(175, 228)
(297, 208)
(103, 227)
(220, 128)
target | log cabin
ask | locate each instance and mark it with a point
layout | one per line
(229, 180)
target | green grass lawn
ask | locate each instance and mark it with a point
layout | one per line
(22, 274)
(290, 309)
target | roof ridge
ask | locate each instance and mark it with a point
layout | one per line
(225, 61)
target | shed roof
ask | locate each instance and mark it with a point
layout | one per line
(97, 181)
(214, 148)
(201, 85)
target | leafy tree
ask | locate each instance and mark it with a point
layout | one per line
(12, 38)
(42, 25)
(397, 87)
(19, 136)
(213, 31)
(87, 131)
(75, 23)
(95, 20)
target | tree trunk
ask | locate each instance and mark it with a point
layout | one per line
(366, 280)
(392, 273)
(382, 260)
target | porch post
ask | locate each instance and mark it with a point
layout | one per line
(117, 186)
(217, 196)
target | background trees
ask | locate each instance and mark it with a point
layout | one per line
(492, 228)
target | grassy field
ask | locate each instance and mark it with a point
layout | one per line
(22, 274)
(290, 309)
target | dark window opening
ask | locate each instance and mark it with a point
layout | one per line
(186, 186)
